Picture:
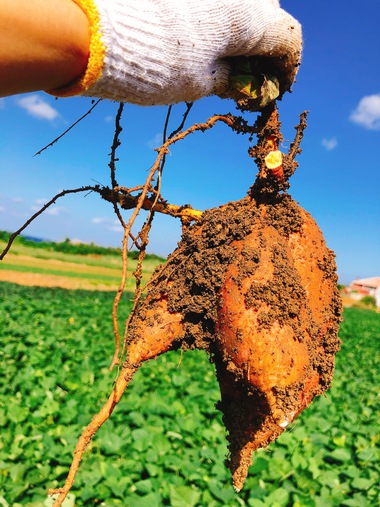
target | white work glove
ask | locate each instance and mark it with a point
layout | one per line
(153, 52)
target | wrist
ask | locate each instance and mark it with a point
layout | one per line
(89, 45)
(72, 45)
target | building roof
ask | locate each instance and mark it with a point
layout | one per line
(372, 282)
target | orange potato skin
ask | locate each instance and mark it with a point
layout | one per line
(267, 357)
(270, 360)
(160, 328)
(274, 357)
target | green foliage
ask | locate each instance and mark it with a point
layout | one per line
(72, 248)
(165, 442)
(368, 301)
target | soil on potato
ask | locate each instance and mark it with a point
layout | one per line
(192, 281)
(195, 272)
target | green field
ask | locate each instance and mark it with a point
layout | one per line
(69, 269)
(165, 443)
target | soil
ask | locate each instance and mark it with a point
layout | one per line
(274, 255)
(43, 280)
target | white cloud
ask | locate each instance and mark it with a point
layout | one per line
(55, 210)
(116, 228)
(17, 199)
(99, 220)
(156, 141)
(367, 112)
(2, 103)
(2, 208)
(52, 210)
(329, 144)
(37, 107)
(41, 201)
(111, 224)
(103, 220)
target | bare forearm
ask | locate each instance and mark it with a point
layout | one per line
(43, 44)
(150, 52)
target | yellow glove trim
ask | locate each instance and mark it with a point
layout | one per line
(96, 55)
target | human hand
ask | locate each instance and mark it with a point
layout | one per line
(154, 52)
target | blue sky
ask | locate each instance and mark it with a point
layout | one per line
(338, 180)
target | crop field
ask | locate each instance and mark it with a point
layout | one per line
(165, 443)
(28, 265)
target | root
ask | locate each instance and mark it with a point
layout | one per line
(39, 212)
(128, 201)
(68, 129)
(115, 360)
(294, 149)
(142, 201)
(186, 213)
(98, 420)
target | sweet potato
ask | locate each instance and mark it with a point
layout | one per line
(255, 286)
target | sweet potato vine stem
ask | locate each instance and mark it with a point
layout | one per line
(123, 196)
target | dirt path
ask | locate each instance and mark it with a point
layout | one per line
(61, 265)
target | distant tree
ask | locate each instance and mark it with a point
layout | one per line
(369, 301)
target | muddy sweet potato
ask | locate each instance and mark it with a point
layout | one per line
(255, 286)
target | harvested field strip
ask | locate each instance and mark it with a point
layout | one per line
(63, 282)
(63, 272)
(81, 265)
(21, 254)
(32, 266)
